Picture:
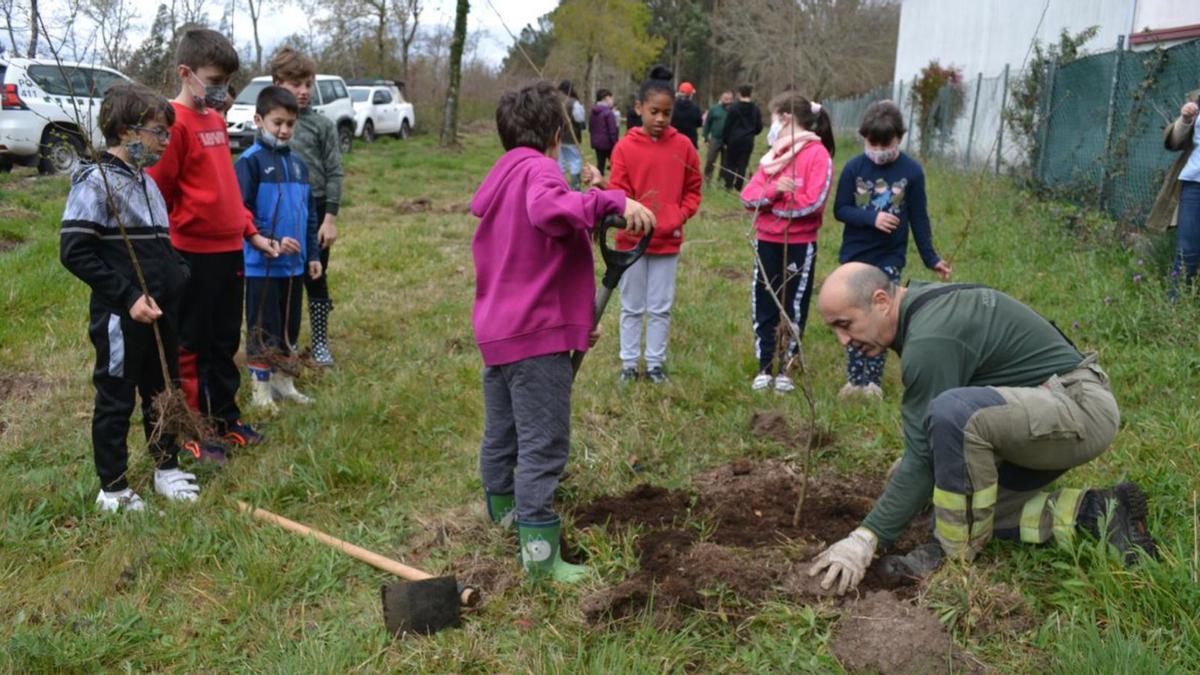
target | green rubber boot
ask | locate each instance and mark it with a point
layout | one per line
(501, 508)
(540, 556)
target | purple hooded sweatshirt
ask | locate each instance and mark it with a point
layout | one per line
(534, 276)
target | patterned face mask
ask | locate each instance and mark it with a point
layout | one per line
(773, 133)
(214, 94)
(139, 156)
(882, 157)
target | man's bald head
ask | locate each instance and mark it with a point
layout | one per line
(854, 285)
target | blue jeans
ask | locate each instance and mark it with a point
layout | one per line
(1187, 236)
(861, 369)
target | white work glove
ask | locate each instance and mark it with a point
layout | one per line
(849, 559)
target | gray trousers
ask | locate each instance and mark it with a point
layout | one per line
(527, 431)
(647, 293)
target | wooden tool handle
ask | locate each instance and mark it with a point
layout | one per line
(373, 559)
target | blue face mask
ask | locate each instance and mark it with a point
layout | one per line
(270, 140)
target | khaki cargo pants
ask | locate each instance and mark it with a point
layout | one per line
(995, 448)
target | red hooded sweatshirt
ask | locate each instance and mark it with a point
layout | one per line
(664, 175)
(196, 177)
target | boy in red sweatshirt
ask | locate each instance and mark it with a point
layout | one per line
(208, 225)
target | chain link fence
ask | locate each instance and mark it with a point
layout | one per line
(1100, 119)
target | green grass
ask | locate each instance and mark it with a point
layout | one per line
(388, 457)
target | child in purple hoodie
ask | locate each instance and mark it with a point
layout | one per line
(534, 288)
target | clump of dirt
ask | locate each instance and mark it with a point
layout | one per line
(644, 504)
(426, 205)
(9, 241)
(774, 426)
(881, 633)
(731, 274)
(750, 550)
(16, 387)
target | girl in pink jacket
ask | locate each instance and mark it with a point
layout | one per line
(787, 194)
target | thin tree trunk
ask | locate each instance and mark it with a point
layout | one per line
(590, 79)
(450, 112)
(34, 25)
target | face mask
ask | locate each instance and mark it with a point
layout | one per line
(773, 134)
(882, 157)
(272, 140)
(214, 94)
(139, 156)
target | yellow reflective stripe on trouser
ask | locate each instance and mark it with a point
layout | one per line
(1031, 519)
(985, 498)
(949, 500)
(951, 532)
(1065, 506)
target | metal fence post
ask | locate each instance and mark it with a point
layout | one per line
(1003, 109)
(974, 113)
(1047, 113)
(1110, 123)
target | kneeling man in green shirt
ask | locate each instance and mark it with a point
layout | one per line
(998, 403)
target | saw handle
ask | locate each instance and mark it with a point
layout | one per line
(468, 596)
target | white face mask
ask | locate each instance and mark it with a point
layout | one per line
(882, 156)
(776, 127)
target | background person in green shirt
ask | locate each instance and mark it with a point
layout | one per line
(997, 404)
(714, 126)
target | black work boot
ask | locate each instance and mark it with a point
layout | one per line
(1127, 530)
(914, 565)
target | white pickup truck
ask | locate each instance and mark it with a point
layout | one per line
(380, 108)
(329, 98)
(49, 111)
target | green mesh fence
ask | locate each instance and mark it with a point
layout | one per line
(1101, 135)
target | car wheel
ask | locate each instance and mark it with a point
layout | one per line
(368, 132)
(6, 165)
(405, 130)
(62, 152)
(346, 138)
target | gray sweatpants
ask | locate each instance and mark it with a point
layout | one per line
(527, 431)
(647, 292)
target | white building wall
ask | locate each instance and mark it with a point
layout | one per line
(981, 36)
(1162, 14)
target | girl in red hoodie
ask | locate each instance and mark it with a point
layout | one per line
(787, 194)
(657, 166)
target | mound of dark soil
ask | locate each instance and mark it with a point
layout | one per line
(751, 551)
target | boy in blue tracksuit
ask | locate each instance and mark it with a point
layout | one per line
(274, 185)
(880, 197)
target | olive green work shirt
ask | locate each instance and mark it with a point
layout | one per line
(973, 337)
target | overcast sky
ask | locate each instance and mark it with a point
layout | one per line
(280, 22)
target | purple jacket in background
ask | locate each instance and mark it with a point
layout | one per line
(534, 275)
(603, 124)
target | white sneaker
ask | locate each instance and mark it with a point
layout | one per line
(284, 386)
(176, 485)
(784, 384)
(121, 500)
(762, 381)
(260, 396)
(864, 390)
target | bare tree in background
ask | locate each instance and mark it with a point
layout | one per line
(450, 112)
(35, 22)
(408, 18)
(193, 12)
(255, 8)
(13, 13)
(379, 13)
(114, 20)
(815, 45)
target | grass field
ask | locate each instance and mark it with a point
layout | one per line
(387, 458)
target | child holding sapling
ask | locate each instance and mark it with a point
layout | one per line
(787, 194)
(659, 166)
(534, 290)
(113, 205)
(274, 185)
(880, 197)
(208, 225)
